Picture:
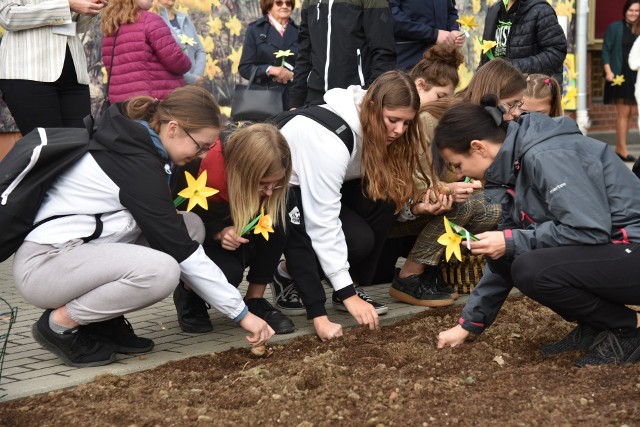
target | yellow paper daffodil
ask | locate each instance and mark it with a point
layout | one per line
(451, 240)
(264, 225)
(283, 53)
(186, 40)
(215, 25)
(197, 191)
(234, 25)
(487, 45)
(467, 22)
(618, 80)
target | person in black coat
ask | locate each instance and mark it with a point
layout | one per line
(528, 35)
(274, 32)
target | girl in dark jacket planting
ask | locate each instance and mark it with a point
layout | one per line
(139, 247)
(570, 235)
(528, 35)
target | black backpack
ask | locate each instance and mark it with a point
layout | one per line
(27, 172)
(325, 117)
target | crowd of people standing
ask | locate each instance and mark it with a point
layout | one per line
(377, 151)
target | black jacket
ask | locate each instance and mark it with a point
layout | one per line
(261, 42)
(536, 43)
(354, 48)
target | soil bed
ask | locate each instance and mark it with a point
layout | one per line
(394, 377)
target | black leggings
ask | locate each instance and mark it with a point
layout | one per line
(63, 103)
(590, 284)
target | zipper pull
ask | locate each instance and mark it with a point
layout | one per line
(167, 168)
(318, 11)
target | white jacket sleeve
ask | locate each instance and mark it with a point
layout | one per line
(320, 161)
(634, 56)
(207, 280)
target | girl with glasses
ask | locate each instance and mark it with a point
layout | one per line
(274, 32)
(139, 245)
(251, 169)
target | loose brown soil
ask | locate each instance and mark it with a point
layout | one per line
(394, 377)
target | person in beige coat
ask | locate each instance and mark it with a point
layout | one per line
(43, 68)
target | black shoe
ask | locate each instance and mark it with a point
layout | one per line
(285, 296)
(118, 333)
(280, 323)
(338, 304)
(580, 337)
(613, 348)
(443, 288)
(629, 157)
(416, 291)
(193, 316)
(74, 347)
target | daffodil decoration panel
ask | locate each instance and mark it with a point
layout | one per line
(221, 25)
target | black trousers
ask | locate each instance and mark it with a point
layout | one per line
(590, 284)
(63, 103)
(366, 225)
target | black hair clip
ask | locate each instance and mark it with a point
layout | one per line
(496, 114)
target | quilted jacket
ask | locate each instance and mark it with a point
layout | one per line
(147, 60)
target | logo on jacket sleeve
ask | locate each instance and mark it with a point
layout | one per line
(294, 216)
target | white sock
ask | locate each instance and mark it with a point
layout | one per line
(283, 273)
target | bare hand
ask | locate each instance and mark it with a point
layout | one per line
(462, 191)
(326, 329)
(452, 337)
(86, 7)
(229, 239)
(443, 37)
(362, 311)
(457, 38)
(491, 244)
(259, 329)
(609, 76)
(425, 207)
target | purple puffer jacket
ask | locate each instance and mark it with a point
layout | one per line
(148, 61)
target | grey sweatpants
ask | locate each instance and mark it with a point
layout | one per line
(98, 281)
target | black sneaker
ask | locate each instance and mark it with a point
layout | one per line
(118, 333)
(74, 347)
(338, 304)
(580, 337)
(280, 323)
(193, 316)
(438, 281)
(613, 348)
(416, 291)
(285, 296)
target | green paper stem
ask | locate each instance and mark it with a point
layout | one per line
(178, 201)
(466, 181)
(462, 232)
(490, 55)
(251, 225)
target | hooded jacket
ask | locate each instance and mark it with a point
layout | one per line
(146, 60)
(567, 189)
(321, 164)
(536, 42)
(128, 185)
(342, 43)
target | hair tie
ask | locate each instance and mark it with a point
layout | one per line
(496, 114)
(547, 81)
(155, 105)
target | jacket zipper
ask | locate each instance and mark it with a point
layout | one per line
(326, 65)
(35, 155)
(360, 68)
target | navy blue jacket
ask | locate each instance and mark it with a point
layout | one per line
(416, 26)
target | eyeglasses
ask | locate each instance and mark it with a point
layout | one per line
(281, 3)
(202, 149)
(515, 106)
(271, 187)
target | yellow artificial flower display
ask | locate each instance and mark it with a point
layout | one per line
(264, 225)
(451, 240)
(197, 191)
(234, 57)
(618, 80)
(234, 25)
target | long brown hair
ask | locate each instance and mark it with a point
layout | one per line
(191, 106)
(498, 77)
(118, 12)
(251, 154)
(388, 169)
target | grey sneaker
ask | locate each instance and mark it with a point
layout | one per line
(580, 337)
(285, 296)
(613, 348)
(338, 304)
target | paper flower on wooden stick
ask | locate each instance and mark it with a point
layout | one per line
(451, 241)
(467, 23)
(196, 191)
(487, 45)
(283, 54)
(618, 80)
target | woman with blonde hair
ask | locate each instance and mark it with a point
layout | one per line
(350, 198)
(138, 247)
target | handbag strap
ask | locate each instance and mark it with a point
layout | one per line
(113, 49)
(252, 77)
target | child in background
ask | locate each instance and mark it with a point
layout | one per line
(543, 95)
